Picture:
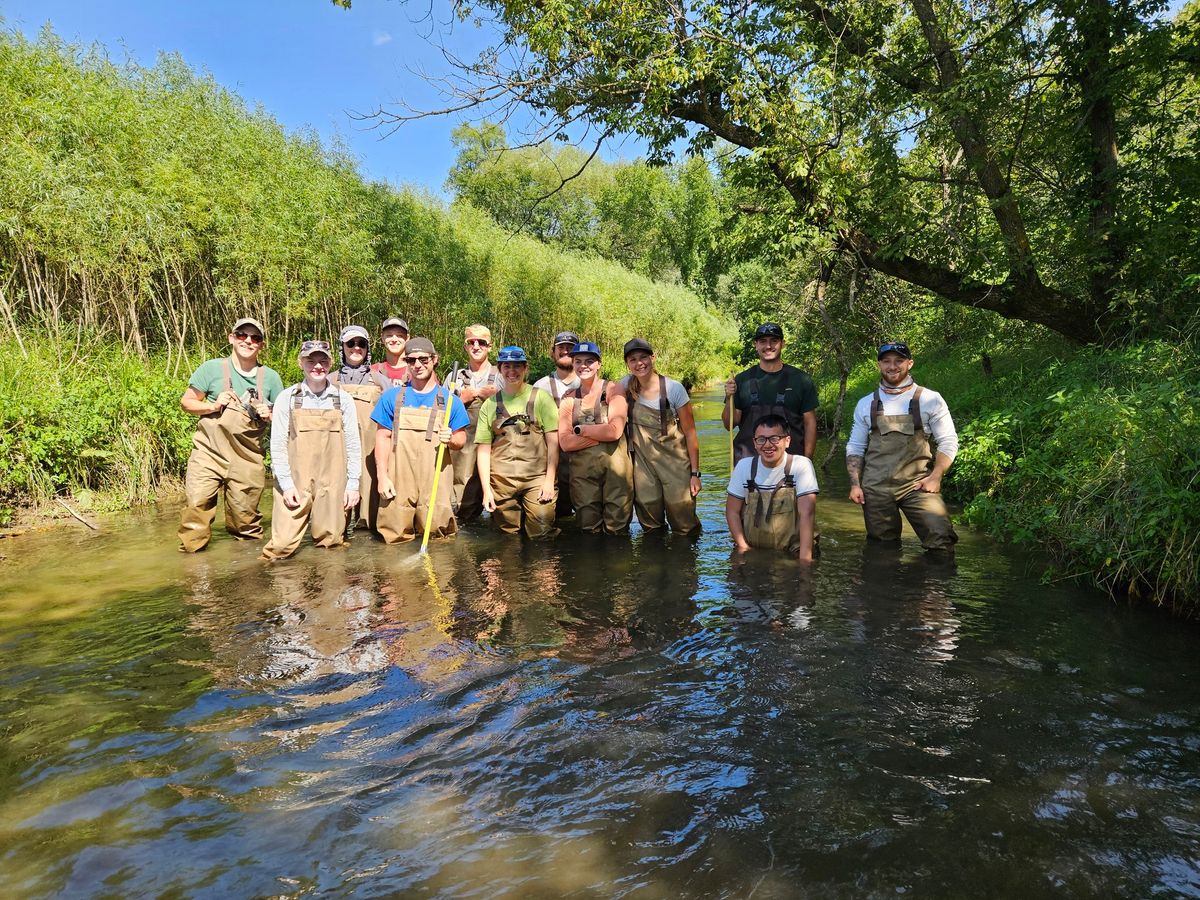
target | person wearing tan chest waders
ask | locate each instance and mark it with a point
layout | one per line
(412, 422)
(317, 458)
(772, 387)
(591, 429)
(889, 460)
(479, 381)
(559, 383)
(356, 377)
(772, 498)
(517, 437)
(393, 334)
(663, 444)
(232, 397)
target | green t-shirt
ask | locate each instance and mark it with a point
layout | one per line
(545, 410)
(799, 391)
(210, 379)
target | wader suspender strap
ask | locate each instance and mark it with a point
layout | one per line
(396, 413)
(914, 410)
(298, 399)
(529, 407)
(554, 389)
(662, 404)
(433, 413)
(501, 413)
(787, 481)
(601, 403)
(228, 385)
(228, 374)
(380, 379)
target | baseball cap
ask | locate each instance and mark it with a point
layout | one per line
(582, 347)
(895, 347)
(353, 331)
(397, 322)
(768, 329)
(637, 344)
(308, 348)
(419, 345)
(512, 354)
(243, 322)
(566, 337)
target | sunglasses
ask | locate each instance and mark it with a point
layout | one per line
(478, 342)
(418, 360)
(357, 344)
(310, 346)
(772, 439)
(247, 336)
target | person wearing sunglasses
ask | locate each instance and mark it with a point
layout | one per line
(393, 334)
(892, 468)
(591, 428)
(772, 497)
(559, 383)
(316, 456)
(412, 422)
(517, 439)
(232, 397)
(476, 383)
(775, 387)
(356, 377)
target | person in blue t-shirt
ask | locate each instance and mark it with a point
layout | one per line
(412, 423)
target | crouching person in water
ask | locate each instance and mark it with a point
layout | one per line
(412, 422)
(889, 460)
(591, 428)
(772, 499)
(316, 456)
(517, 451)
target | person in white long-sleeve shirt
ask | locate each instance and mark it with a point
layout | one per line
(891, 466)
(316, 455)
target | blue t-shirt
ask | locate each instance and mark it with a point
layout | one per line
(385, 408)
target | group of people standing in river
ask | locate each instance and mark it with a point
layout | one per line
(356, 445)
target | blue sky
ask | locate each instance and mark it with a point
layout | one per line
(308, 62)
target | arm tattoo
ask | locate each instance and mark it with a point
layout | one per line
(854, 465)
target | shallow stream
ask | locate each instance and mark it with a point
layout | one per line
(636, 717)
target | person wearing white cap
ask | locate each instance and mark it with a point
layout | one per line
(356, 378)
(316, 456)
(232, 397)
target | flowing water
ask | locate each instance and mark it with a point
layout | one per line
(637, 717)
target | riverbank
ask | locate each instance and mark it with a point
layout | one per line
(1089, 455)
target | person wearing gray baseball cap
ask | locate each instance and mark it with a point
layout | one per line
(558, 384)
(391, 371)
(771, 388)
(232, 397)
(364, 385)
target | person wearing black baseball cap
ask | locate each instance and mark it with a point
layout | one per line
(772, 388)
(591, 429)
(891, 466)
(232, 398)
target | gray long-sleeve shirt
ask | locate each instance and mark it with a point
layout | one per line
(281, 419)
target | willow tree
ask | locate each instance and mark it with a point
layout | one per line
(1036, 159)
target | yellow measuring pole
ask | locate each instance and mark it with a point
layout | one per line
(441, 454)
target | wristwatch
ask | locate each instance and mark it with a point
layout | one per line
(578, 430)
(696, 474)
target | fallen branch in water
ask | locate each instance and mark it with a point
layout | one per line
(76, 515)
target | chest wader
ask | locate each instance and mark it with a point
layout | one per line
(415, 432)
(564, 506)
(743, 442)
(662, 472)
(365, 396)
(769, 513)
(601, 476)
(897, 457)
(468, 492)
(317, 453)
(519, 460)
(227, 456)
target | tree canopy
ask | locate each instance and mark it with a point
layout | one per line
(1034, 159)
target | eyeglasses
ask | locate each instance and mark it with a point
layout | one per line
(248, 336)
(418, 360)
(478, 342)
(772, 439)
(357, 344)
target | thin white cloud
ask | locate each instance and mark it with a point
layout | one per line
(379, 38)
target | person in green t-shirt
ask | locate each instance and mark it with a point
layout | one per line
(772, 388)
(232, 398)
(517, 451)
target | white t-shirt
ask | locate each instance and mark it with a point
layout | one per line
(677, 395)
(802, 471)
(561, 386)
(935, 417)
